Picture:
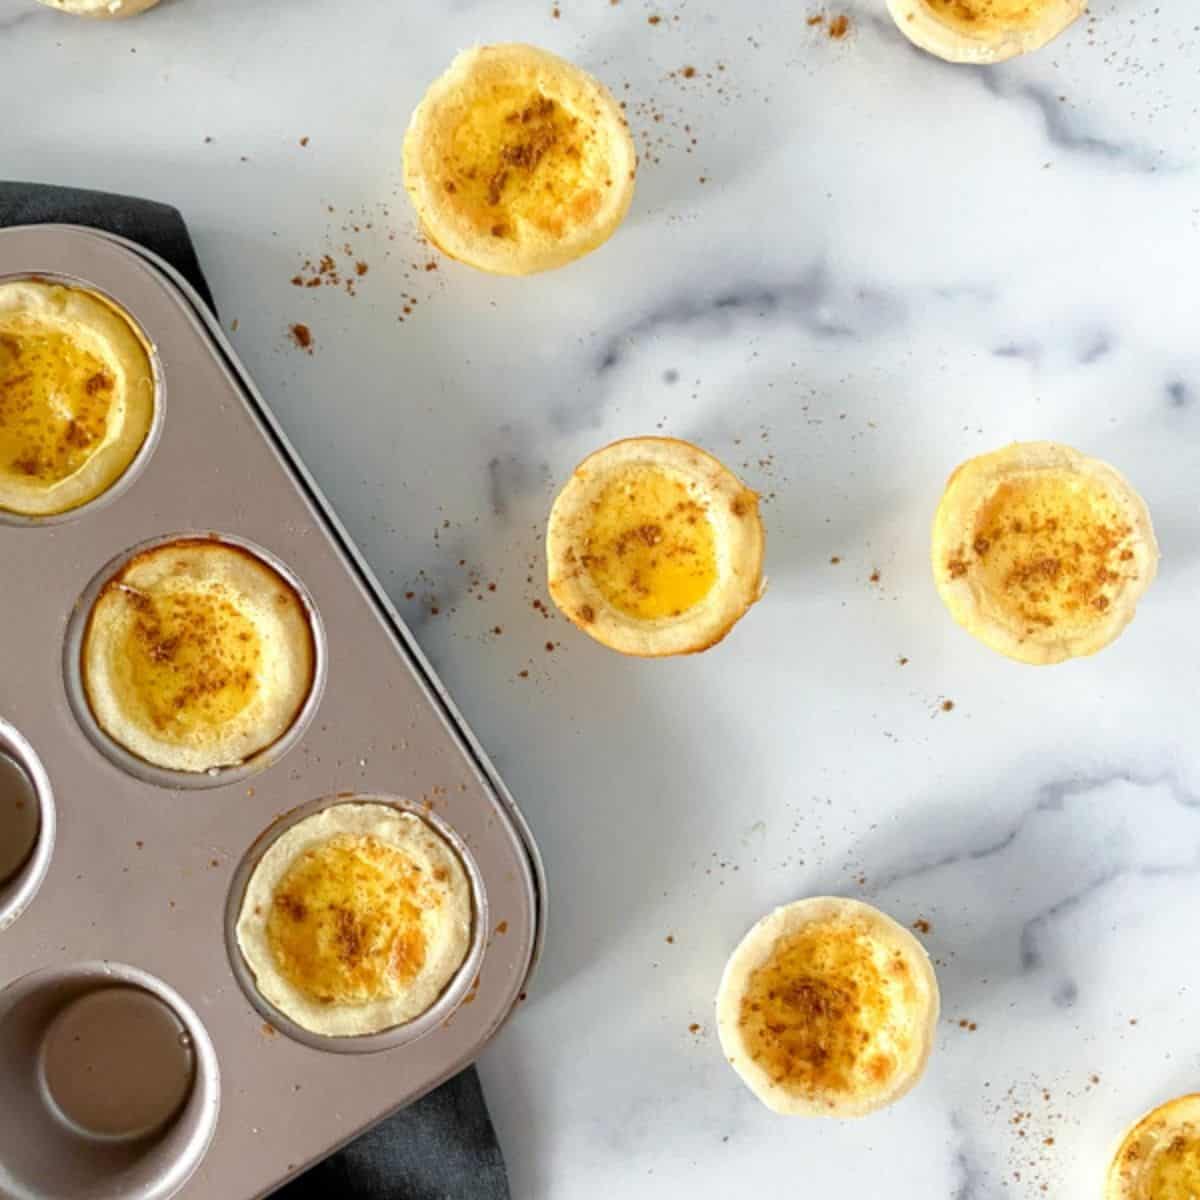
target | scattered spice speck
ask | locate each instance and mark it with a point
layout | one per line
(302, 337)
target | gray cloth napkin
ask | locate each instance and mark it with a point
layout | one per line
(443, 1147)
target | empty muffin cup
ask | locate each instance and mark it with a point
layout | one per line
(26, 823)
(194, 660)
(109, 1085)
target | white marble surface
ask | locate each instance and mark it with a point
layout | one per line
(892, 264)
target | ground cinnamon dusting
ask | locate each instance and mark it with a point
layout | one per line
(301, 336)
(807, 1012)
(1051, 557)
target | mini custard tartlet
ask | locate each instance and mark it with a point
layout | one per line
(1041, 552)
(197, 655)
(983, 31)
(654, 548)
(356, 919)
(1159, 1158)
(77, 396)
(828, 1008)
(517, 161)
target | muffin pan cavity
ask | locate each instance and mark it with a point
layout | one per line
(26, 823)
(127, 760)
(453, 995)
(109, 1084)
(76, 437)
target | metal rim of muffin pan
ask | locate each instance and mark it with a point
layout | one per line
(452, 994)
(17, 892)
(145, 453)
(51, 741)
(268, 756)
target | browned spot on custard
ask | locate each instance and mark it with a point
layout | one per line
(357, 934)
(811, 1012)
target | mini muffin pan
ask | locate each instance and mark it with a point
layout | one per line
(117, 955)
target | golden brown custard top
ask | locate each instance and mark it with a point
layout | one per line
(811, 1013)
(345, 923)
(1052, 548)
(190, 659)
(650, 548)
(1172, 1169)
(55, 399)
(517, 153)
(979, 16)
